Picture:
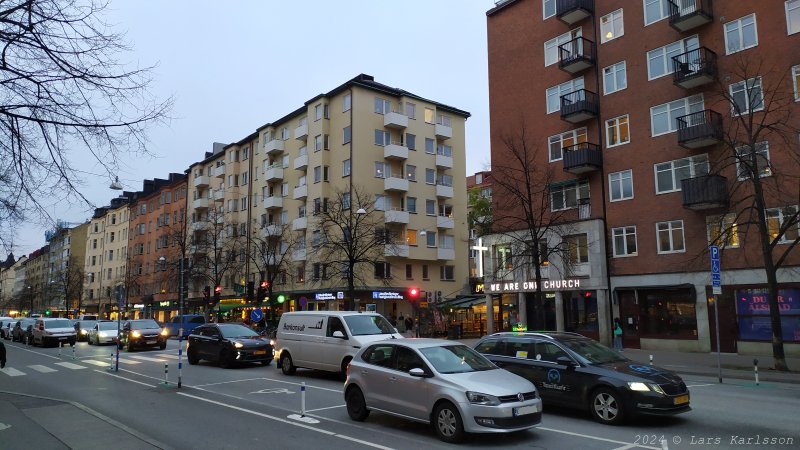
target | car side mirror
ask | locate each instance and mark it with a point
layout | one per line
(565, 361)
(417, 372)
(339, 334)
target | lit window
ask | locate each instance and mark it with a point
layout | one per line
(744, 162)
(611, 26)
(783, 224)
(561, 141)
(723, 231)
(617, 131)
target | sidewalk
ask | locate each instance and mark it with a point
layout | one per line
(28, 421)
(705, 364)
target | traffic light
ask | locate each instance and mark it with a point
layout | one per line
(217, 292)
(413, 293)
(281, 298)
(265, 284)
(250, 288)
(262, 291)
(438, 296)
(207, 294)
(428, 296)
(47, 312)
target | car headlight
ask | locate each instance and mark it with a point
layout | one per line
(102, 334)
(272, 342)
(478, 398)
(83, 331)
(637, 386)
(238, 344)
(136, 334)
(165, 332)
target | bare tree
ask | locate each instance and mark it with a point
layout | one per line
(63, 89)
(67, 284)
(270, 252)
(760, 155)
(349, 235)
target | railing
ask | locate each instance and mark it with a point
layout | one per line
(578, 49)
(679, 9)
(700, 61)
(579, 101)
(565, 6)
(704, 192)
(705, 124)
(584, 154)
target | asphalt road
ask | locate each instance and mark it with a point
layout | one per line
(257, 407)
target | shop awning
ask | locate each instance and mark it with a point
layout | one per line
(462, 301)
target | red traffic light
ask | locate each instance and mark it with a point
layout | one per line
(218, 289)
(265, 284)
(413, 293)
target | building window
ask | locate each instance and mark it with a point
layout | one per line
(382, 106)
(723, 231)
(430, 176)
(411, 110)
(411, 237)
(744, 167)
(346, 135)
(548, 8)
(655, 10)
(746, 96)
(569, 196)
(411, 205)
(617, 131)
(624, 239)
(663, 117)
(783, 224)
(284, 189)
(346, 168)
(411, 172)
(318, 112)
(317, 142)
(561, 141)
(317, 174)
(380, 169)
(380, 202)
(554, 93)
(792, 16)
(347, 102)
(383, 270)
(425, 272)
(382, 138)
(670, 236)
(741, 34)
(620, 185)
(430, 238)
(447, 273)
(659, 60)
(796, 73)
(611, 26)
(430, 207)
(551, 47)
(428, 115)
(614, 78)
(409, 272)
(430, 146)
(670, 174)
(577, 249)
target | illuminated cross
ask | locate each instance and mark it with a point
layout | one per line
(480, 249)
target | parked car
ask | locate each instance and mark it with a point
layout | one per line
(228, 344)
(103, 332)
(82, 327)
(444, 383)
(53, 331)
(5, 327)
(574, 371)
(23, 330)
(190, 322)
(142, 333)
(87, 317)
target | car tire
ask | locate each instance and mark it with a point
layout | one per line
(89, 341)
(286, 364)
(266, 363)
(72, 343)
(129, 347)
(605, 406)
(192, 357)
(356, 405)
(162, 346)
(447, 423)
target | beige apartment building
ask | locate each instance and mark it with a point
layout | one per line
(65, 272)
(106, 256)
(35, 289)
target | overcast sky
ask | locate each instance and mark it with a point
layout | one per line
(233, 66)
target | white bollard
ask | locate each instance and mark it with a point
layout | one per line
(303, 399)
(60, 346)
(111, 367)
(73, 351)
(651, 360)
(166, 373)
(755, 369)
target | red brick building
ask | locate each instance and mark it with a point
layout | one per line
(637, 106)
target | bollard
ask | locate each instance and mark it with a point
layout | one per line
(303, 399)
(111, 367)
(166, 373)
(60, 346)
(73, 351)
(755, 369)
(651, 360)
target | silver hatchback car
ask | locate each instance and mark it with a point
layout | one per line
(444, 383)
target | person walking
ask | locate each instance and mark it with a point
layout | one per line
(401, 324)
(2, 355)
(617, 335)
(410, 326)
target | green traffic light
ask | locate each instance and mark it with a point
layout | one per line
(281, 298)
(47, 312)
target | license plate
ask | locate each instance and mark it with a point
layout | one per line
(522, 410)
(681, 399)
(151, 341)
(260, 352)
(62, 339)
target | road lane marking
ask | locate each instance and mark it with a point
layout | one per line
(289, 422)
(307, 386)
(147, 358)
(166, 355)
(32, 351)
(320, 409)
(69, 365)
(129, 361)
(700, 385)
(96, 363)
(42, 369)
(596, 438)
(12, 372)
(226, 382)
(123, 378)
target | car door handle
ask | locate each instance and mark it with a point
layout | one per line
(364, 372)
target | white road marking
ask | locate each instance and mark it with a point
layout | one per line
(96, 363)
(226, 382)
(626, 447)
(167, 355)
(699, 385)
(123, 378)
(597, 438)
(303, 419)
(129, 361)
(147, 358)
(42, 369)
(320, 409)
(307, 386)
(12, 372)
(69, 365)
(289, 422)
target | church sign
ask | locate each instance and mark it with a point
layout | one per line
(530, 286)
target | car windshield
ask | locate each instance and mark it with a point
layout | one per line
(234, 331)
(59, 323)
(456, 359)
(145, 323)
(593, 352)
(364, 325)
(87, 323)
(107, 325)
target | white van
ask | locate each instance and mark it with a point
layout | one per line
(327, 340)
(55, 331)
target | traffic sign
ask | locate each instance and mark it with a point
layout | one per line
(716, 278)
(256, 315)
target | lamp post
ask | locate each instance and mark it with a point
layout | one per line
(115, 186)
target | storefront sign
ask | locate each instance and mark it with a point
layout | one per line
(387, 295)
(164, 303)
(756, 301)
(138, 306)
(324, 296)
(529, 286)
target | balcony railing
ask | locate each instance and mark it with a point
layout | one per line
(699, 129)
(705, 192)
(579, 105)
(576, 55)
(694, 68)
(573, 11)
(685, 15)
(583, 157)
(395, 119)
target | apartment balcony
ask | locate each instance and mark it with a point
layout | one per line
(694, 68)
(685, 15)
(200, 203)
(273, 202)
(395, 120)
(444, 161)
(699, 129)
(395, 216)
(576, 55)
(391, 183)
(201, 181)
(273, 173)
(705, 192)
(395, 150)
(582, 158)
(443, 131)
(579, 106)
(219, 171)
(445, 254)
(300, 192)
(301, 132)
(445, 222)
(579, 270)
(299, 254)
(274, 146)
(200, 226)
(195, 249)
(301, 223)
(395, 251)
(271, 230)
(218, 195)
(573, 11)
(443, 191)
(301, 162)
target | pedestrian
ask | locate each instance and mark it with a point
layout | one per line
(2, 355)
(410, 325)
(617, 334)
(401, 324)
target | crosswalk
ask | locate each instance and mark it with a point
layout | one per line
(79, 364)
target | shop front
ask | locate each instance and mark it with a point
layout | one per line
(662, 317)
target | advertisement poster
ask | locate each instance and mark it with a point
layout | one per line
(752, 309)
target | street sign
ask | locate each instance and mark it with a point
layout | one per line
(256, 315)
(716, 279)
